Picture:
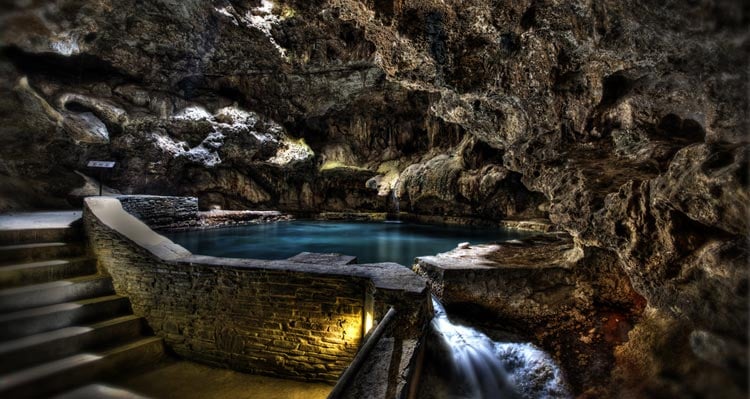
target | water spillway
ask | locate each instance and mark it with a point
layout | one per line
(480, 368)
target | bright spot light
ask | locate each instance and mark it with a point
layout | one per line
(368, 321)
(368, 311)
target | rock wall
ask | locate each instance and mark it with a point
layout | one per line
(624, 122)
(530, 290)
(303, 121)
(182, 213)
(544, 290)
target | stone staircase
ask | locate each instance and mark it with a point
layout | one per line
(61, 324)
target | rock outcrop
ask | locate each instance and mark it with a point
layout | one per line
(623, 122)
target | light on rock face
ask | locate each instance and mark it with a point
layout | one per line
(292, 151)
(66, 44)
(204, 153)
(193, 113)
(263, 19)
(86, 127)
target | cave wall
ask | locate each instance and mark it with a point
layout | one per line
(624, 122)
(242, 104)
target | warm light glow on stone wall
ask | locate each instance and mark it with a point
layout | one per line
(369, 310)
(368, 321)
(352, 333)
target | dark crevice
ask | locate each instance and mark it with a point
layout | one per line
(615, 87)
(672, 126)
(720, 157)
(621, 230)
(79, 68)
(75, 106)
(192, 86)
(436, 36)
(528, 19)
(385, 8)
(232, 94)
(743, 174)
(481, 154)
(689, 236)
(510, 42)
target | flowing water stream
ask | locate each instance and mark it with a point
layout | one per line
(394, 208)
(485, 369)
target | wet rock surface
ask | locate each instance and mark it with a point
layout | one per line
(576, 304)
(624, 123)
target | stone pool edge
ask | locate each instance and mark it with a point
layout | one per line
(170, 286)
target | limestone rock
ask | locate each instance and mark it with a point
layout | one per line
(623, 122)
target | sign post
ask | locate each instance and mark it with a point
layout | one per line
(102, 166)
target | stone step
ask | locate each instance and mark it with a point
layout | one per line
(44, 347)
(33, 321)
(99, 391)
(67, 373)
(22, 274)
(28, 236)
(37, 295)
(10, 254)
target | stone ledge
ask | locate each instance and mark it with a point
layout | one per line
(225, 218)
(519, 279)
(182, 213)
(249, 314)
(334, 259)
(109, 211)
(350, 216)
(533, 225)
(539, 225)
(545, 251)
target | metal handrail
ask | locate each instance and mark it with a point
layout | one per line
(361, 356)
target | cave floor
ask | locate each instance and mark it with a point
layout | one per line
(38, 220)
(188, 380)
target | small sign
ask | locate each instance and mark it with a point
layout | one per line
(101, 164)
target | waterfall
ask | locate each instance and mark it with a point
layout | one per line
(394, 201)
(486, 369)
(394, 209)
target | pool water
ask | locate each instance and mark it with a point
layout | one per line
(369, 242)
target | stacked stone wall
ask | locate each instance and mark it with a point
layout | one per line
(162, 212)
(274, 321)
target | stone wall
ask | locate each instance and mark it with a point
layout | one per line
(282, 318)
(162, 212)
(182, 213)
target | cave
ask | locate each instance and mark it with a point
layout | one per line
(374, 199)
